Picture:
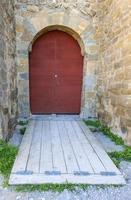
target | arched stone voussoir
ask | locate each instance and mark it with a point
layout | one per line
(72, 20)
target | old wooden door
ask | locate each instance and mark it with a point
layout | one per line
(56, 70)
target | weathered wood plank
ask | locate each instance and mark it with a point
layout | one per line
(107, 162)
(96, 180)
(80, 155)
(46, 161)
(34, 154)
(58, 157)
(70, 159)
(92, 156)
(64, 178)
(22, 157)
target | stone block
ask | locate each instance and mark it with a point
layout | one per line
(24, 76)
(128, 136)
(32, 8)
(90, 82)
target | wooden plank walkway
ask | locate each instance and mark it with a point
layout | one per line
(59, 150)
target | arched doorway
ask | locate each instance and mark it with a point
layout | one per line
(56, 71)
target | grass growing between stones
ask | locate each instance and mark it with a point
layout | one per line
(105, 130)
(23, 123)
(59, 187)
(116, 156)
(51, 187)
(7, 157)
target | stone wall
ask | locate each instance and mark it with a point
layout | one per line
(114, 72)
(8, 92)
(76, 17)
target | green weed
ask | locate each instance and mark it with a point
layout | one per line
(7, 158)
(22, 130)
(23, 123)
(51, 187)
(116, 156)
(106, 131)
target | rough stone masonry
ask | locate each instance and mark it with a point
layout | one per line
(103, 30)
(114, 71)
(8, 72)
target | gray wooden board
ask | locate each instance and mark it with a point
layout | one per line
(80, 155)
(70, 158)
(34, 154)
(88, 149)
(107, 162)
(46, 161)
(64, 178)
(23, 154)
(58, 157)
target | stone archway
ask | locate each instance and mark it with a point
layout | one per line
(80, 29)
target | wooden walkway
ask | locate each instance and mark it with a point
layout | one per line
(62, 150)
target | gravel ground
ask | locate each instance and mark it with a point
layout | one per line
(92, 192)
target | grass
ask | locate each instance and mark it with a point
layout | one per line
(51, 187)
(116, 156)
(94, 123)
(23, 129)
(7, 157)
(23, 123)
(58, 187)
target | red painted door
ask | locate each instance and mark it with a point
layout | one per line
(56, 69)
